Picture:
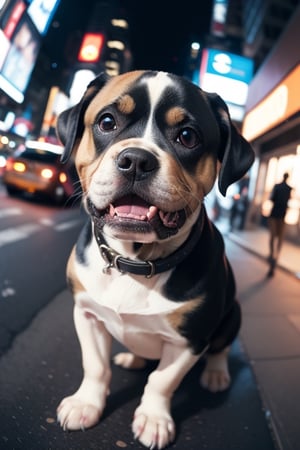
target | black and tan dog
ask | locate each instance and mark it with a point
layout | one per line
(149, 268)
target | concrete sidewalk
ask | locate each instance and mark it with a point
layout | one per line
(257, 241)
(270, 331)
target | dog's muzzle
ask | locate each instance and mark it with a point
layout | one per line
(133, 207)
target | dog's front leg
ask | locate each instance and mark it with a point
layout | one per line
(84, 408)
(152, 423)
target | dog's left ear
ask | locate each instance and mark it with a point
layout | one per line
(70, 123)
(235, 153)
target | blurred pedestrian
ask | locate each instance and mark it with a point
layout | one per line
(240, 203)
(239, 209)
(280, 195)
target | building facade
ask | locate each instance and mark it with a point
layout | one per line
(272, 125)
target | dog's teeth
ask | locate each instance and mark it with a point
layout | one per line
(169, 219)
(151, 212)
(112, 210)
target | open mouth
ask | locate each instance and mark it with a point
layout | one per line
(132, 213)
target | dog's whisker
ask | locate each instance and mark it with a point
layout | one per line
(73, 199)
(184, 191)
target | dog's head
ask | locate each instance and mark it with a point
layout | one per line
(148, 148)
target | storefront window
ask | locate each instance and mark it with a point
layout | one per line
(276, 168)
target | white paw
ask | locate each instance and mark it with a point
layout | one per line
(215, 380)
(153, 431)
(74, 414)
(129, 361)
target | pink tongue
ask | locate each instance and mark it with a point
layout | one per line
(132, 206)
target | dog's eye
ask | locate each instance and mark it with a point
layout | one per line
(107, 123)
(188, 137)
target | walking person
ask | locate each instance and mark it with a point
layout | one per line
(280, 195)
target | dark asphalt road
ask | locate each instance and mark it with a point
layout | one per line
(35, 241)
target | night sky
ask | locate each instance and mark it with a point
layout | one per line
(161, 31)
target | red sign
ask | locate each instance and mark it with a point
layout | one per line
(14, 19)
(91, 47)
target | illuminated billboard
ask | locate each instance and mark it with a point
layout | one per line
(21, 28)
(228, 75)
(279, 105)
(11, 17)
(91, 47)
(4, 47)
(219, 14)
(41, 13)
(19, 59)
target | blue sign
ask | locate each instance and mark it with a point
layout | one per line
(41, 13)
(229, 65)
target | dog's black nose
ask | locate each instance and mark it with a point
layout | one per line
(136, 163)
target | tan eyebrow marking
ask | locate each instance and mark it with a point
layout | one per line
(126, 104)
(175, 115)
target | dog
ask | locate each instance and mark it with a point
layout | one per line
(149, 267)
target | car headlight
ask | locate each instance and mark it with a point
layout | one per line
(62, 177)
(47, 174)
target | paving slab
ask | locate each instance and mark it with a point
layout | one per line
(270, 335)
(279, 385)
(263, 342)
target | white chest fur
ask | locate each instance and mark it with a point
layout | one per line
(132, 308)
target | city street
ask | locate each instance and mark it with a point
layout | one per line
(43, 363)
(35, 240)
(135, 96)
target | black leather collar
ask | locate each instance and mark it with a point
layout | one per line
(149, 268)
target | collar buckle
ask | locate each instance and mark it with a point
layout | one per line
(110, 257)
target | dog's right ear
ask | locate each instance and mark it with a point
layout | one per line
(235, 153)
(70, 123)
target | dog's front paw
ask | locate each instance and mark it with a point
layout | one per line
(75, 414)
(153, 430)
